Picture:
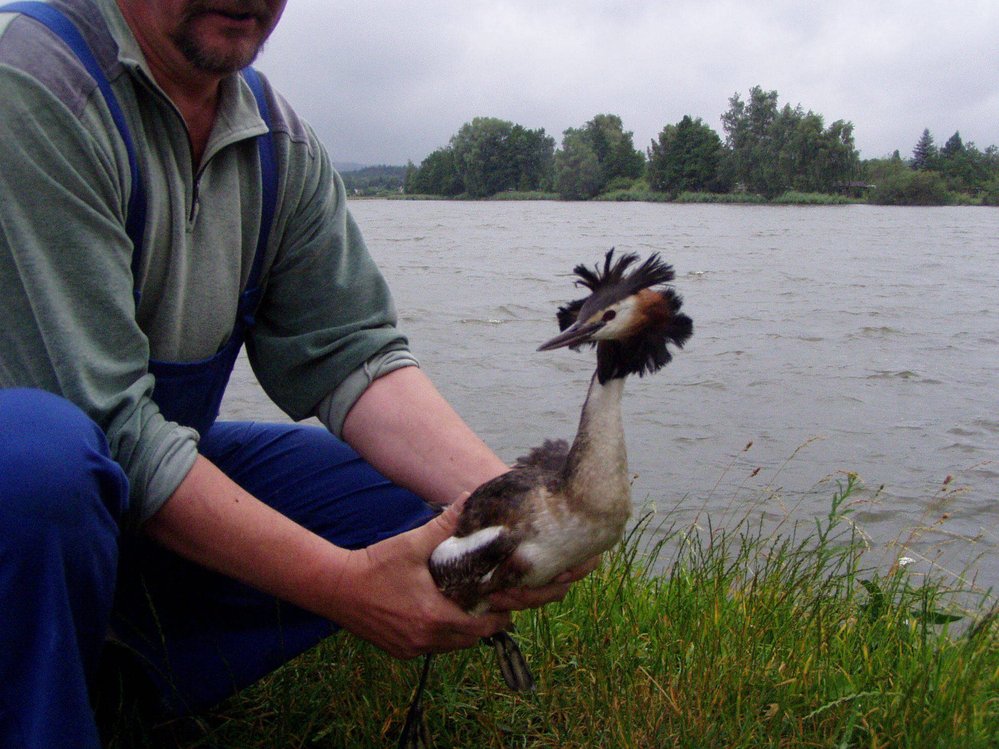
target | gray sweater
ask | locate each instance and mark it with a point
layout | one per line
(325, 327)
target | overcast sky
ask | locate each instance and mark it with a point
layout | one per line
(389, 81)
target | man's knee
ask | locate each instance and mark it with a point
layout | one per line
(55, 465)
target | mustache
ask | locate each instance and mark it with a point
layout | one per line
(256, 8)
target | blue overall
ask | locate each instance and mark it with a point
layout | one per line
(67, 576)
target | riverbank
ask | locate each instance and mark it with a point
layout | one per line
(685, 637)
(644, 195)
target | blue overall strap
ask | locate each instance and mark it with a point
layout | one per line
(57, 23)
(135, 222)
(268, 175)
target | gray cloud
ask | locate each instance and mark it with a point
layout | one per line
(387, 81)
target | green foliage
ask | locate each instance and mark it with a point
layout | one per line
(595, 155)
(638, 192)
(437, 175)
(910, 188)
(614, 147)
(375, 180)
(924, 154)
(774, 150)
(779, 153)
(687, 157)
(990, 192)
(719, 197)
(965, 168)
(793, 197)
(957, 173)
(953, 147)
(486, 156)
(577, 169)
(493, 155)
(752, 137)
(525, 195)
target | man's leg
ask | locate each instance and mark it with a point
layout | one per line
(204, 636)
(61, 497)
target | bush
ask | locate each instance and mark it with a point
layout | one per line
(990, 192)
(792, 197)
(525, 195)
(911, 188)
(626, 183)
(637, 194)
(719, 197)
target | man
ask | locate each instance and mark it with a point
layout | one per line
(118, 339)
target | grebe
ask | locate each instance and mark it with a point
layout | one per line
(560, 506)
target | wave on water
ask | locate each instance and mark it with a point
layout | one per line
(876, 342)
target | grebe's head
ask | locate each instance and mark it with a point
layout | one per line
(635, 311)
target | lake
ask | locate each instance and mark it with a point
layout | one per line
(827, 341)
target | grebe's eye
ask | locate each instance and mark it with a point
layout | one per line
(609, 315)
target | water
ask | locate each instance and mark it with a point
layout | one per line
(833, 339)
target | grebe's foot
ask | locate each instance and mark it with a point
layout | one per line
(513, 666)
(414, 731)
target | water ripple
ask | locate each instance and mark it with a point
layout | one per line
(870, 326)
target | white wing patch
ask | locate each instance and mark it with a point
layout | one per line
(455, 548)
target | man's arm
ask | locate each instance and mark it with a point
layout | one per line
(383, 594)
(403, 426)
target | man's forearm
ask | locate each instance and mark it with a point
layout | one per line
(383, 593)
(405, 429)
(212, 521)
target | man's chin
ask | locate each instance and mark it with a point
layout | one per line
(220, 48)
(221, 59)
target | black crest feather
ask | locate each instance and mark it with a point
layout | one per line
(614, 281)
(647, 351)
(650, 273)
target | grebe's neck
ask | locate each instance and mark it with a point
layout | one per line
(596, 471)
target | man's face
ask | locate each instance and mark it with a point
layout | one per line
(217, 37)
(224, 36)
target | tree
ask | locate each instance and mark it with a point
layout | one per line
(776, 149)
(594, 155)
(482, 155)
(963, 166)
(954, 146)
(577, 169)
(614, 148)
(487, 156)
(437, 175)
(534, 156)
(493, 155)
(687, 156)
(751, 132)
(376, 180)
(924, 154)
(818, 159)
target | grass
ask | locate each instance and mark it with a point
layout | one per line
(793, 197)
(684, 638)
(715, 197)
(633, 194)
(525, 195)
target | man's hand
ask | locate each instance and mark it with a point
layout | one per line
(516, 599)
(383, 594)
(387, 596)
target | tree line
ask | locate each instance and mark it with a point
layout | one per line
(957, 172)
(768, 150)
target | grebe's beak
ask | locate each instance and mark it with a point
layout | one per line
(575, 334)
